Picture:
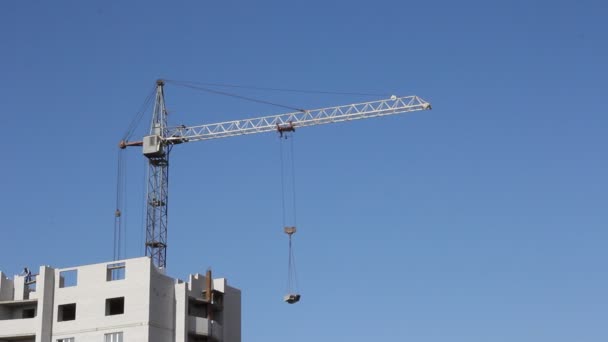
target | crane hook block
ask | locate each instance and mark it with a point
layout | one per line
(289, 230)
(292, 298)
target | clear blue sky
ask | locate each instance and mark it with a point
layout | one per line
(482, 220)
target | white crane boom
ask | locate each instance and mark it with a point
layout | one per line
(290, 121)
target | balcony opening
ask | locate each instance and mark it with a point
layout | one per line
(217, 298)
(115, 306)
(66, 312)
(116, 271)
(68, 278)
(197, 308)
(28, 313)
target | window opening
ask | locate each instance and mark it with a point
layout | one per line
(115, 306)
(66, 312)
(116, 271)
(68, 278)
(113, 337)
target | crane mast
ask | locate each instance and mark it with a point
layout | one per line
(158, 181)
(157, 146)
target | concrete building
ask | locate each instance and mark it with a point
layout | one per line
(121, 301)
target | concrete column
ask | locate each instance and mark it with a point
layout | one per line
(45, 288)
(181, 312)
(19, 288)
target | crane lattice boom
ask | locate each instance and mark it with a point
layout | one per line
(272, 123)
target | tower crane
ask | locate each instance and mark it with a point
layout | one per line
(158, 144)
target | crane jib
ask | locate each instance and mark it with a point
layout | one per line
(289, 121)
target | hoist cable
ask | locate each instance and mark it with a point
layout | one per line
(139, 115)
(288, 288)
(292, 274)
(289, 268)
(295, 271)
(120, 221)
(305, 91)
(289, 219)
(288, 178)
(119, 205)
(124, 215)
(293, 182)
(219, 92)
(282, 180)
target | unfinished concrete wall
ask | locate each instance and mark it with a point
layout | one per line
(90, 295)
(162, 307)
(6, 288)
(232, 314)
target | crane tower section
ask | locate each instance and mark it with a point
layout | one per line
(157, 146)
(157, 195)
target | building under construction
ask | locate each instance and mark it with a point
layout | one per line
(125, 300)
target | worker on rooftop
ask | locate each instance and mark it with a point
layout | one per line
(28, 274)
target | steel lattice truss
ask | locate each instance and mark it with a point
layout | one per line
(394, 105)
(157, 195)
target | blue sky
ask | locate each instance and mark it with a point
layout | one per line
(482, 220)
